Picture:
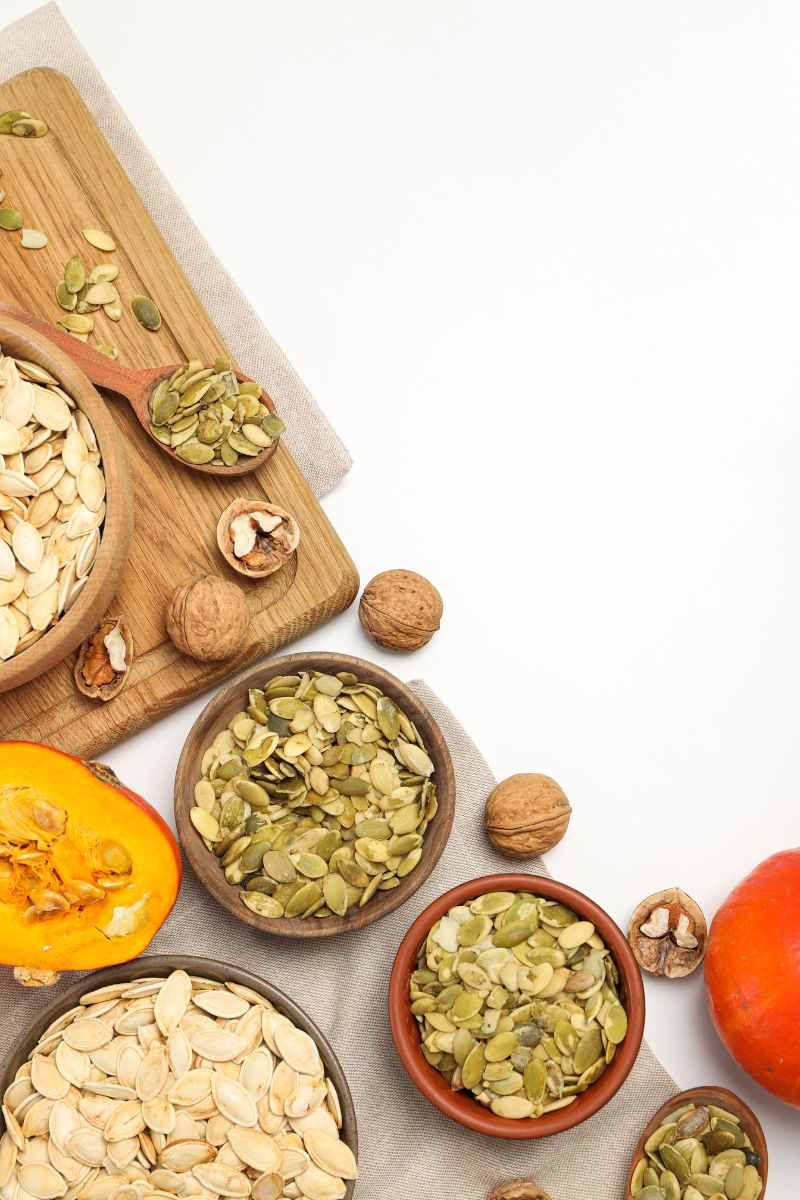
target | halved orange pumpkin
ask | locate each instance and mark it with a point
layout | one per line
(88, 870)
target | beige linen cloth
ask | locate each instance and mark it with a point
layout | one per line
(45, 39)
(407, 1149)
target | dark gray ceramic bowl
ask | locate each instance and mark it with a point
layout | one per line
(163, 964)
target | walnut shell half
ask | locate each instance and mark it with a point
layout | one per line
(518, 1189)
(104, 660)
(668, 934)
(257, 538)
(527, 815)
(400, 610)
(207, 618)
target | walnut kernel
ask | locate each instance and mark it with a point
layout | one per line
(668, 934)
(104, 660)
(257, 538)
(400, 610)
(527, 815)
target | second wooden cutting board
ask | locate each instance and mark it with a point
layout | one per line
(63, 183)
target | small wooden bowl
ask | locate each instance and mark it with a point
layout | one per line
(19, 341)
(217, 714)
(708, 1095)
(163, 964)
(461, 1106)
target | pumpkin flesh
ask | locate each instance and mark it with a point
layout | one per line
(88, 870)
(752, 971)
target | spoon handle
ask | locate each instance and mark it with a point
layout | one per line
(101, 370)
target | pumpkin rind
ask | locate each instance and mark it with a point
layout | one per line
(752, 971)
(95, 801)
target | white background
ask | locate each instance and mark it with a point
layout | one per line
(540, 264)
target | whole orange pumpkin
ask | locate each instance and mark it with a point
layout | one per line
(752, 971)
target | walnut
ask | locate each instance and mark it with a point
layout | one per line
(207, 618)
(257, 538)
(527, 815)
(104, 660)
(668, 934)
(400, 610)
(518, 1189)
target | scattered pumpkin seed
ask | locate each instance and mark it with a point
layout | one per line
(146, 312)
(10, 219)
(29, 127)
(100, 240)
(32, 239)
(101, 293)
(65, 298)
(108, 350)
(10, 118)
(74, 275)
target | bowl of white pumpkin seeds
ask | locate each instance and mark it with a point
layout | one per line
(516, 1006)
(175, 1073)
(314, 795)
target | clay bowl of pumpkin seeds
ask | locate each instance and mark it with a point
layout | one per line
(66, 505)
(174, 1069)
(703, 1142)
(516, 1006)
(314, 795)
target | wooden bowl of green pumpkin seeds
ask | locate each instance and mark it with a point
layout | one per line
(314, 795)
(430, 982)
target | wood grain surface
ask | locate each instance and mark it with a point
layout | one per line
(63, 183)
(232, 699)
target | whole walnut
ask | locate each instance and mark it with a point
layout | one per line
(518, 1189)
(400, 610)
(527, 815)
(207, 618)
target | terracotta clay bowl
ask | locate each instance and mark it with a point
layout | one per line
(233, 699)
(18, 341)
(460, 1105)
(722, 1098)
(163, 964)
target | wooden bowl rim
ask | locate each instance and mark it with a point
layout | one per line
(158, 964)
(460, 1106)
(723, 1098)
(20, 341)
(216, 715)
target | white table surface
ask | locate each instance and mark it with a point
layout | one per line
(540, 264)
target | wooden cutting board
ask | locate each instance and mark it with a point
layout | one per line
(63, 183)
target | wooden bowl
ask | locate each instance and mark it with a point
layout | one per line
(19, 341)
(216, 715)
(708, 1095)
(163, 964)
(461, 1105)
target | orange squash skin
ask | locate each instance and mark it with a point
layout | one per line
(97, 800)
(752, 973)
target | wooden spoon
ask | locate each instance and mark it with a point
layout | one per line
(722, 1098)
(136, 387)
